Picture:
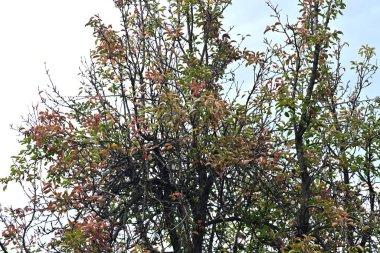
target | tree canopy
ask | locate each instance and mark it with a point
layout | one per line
(163, 150)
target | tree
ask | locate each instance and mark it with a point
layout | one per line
(321, 126)
(162, 150)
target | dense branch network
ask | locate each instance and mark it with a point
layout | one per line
(162, 150)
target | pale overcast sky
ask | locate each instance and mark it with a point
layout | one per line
(52, 31)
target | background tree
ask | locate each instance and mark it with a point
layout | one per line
(321, 121)
(163, 150)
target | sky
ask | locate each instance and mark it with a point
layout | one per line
(50, 31)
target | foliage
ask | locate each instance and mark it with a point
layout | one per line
(162, 150)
